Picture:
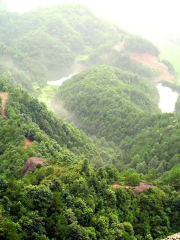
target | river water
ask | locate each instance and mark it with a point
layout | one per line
(168, 98)
(60, 82)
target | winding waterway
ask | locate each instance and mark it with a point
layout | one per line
(60, 82)
(168, 98)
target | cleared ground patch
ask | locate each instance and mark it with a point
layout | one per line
(4, 96)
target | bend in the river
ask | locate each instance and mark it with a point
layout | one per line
(168, 98)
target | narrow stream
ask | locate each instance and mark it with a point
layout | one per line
(60, 82)
(168, 98)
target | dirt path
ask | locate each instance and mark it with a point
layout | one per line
(4, 96)
(27, 143)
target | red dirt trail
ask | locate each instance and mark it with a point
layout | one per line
(27, 143)
(4, 96)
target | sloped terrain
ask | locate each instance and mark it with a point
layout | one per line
(153, 62)
(43, 44)
(105, 99)
(147, 59)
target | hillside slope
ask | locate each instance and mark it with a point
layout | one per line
(27, 119)
(45, 43)
(49, 43)
(64, 197)
(105, 100)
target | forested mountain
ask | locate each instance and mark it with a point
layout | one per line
(122, 107)
(69, 198)
(48, 40)
(153, 146)
(105, 100)
(26, 117)
(83, 187)
(42, 44)
(137, 44)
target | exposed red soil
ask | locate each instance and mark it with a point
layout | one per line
(4, 96)
(27, 143)
(150, 61)
(153, 62)
(120, 186)
(137, 189)
(119, 47)
(31, 164)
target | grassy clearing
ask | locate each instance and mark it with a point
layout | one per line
(171, 52)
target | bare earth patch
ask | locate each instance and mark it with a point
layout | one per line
(119, 47)
(4, 96)
(137, 189)
(27, 143)
(31, 164)
(153, 62)
(150, 61)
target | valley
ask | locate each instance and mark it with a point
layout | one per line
(89, 129)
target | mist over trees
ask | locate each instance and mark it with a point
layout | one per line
(110, 170)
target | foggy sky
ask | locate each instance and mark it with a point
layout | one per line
(152, 19)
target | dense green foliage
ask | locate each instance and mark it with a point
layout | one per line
(153, 146)
(122, 60)
(70, 199)
(106, 99)
(78, 202)
(44, 43)
(38, 43)
(177, 106)
(137, 44)
(26, 117)
(118, 106)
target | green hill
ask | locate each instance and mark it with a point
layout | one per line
(105, 100)
(42, 44)
(154, 145)
(42, 41)
(122, 107)
(137, 44)
(71, 199)
(52, 137)
(119, 182)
